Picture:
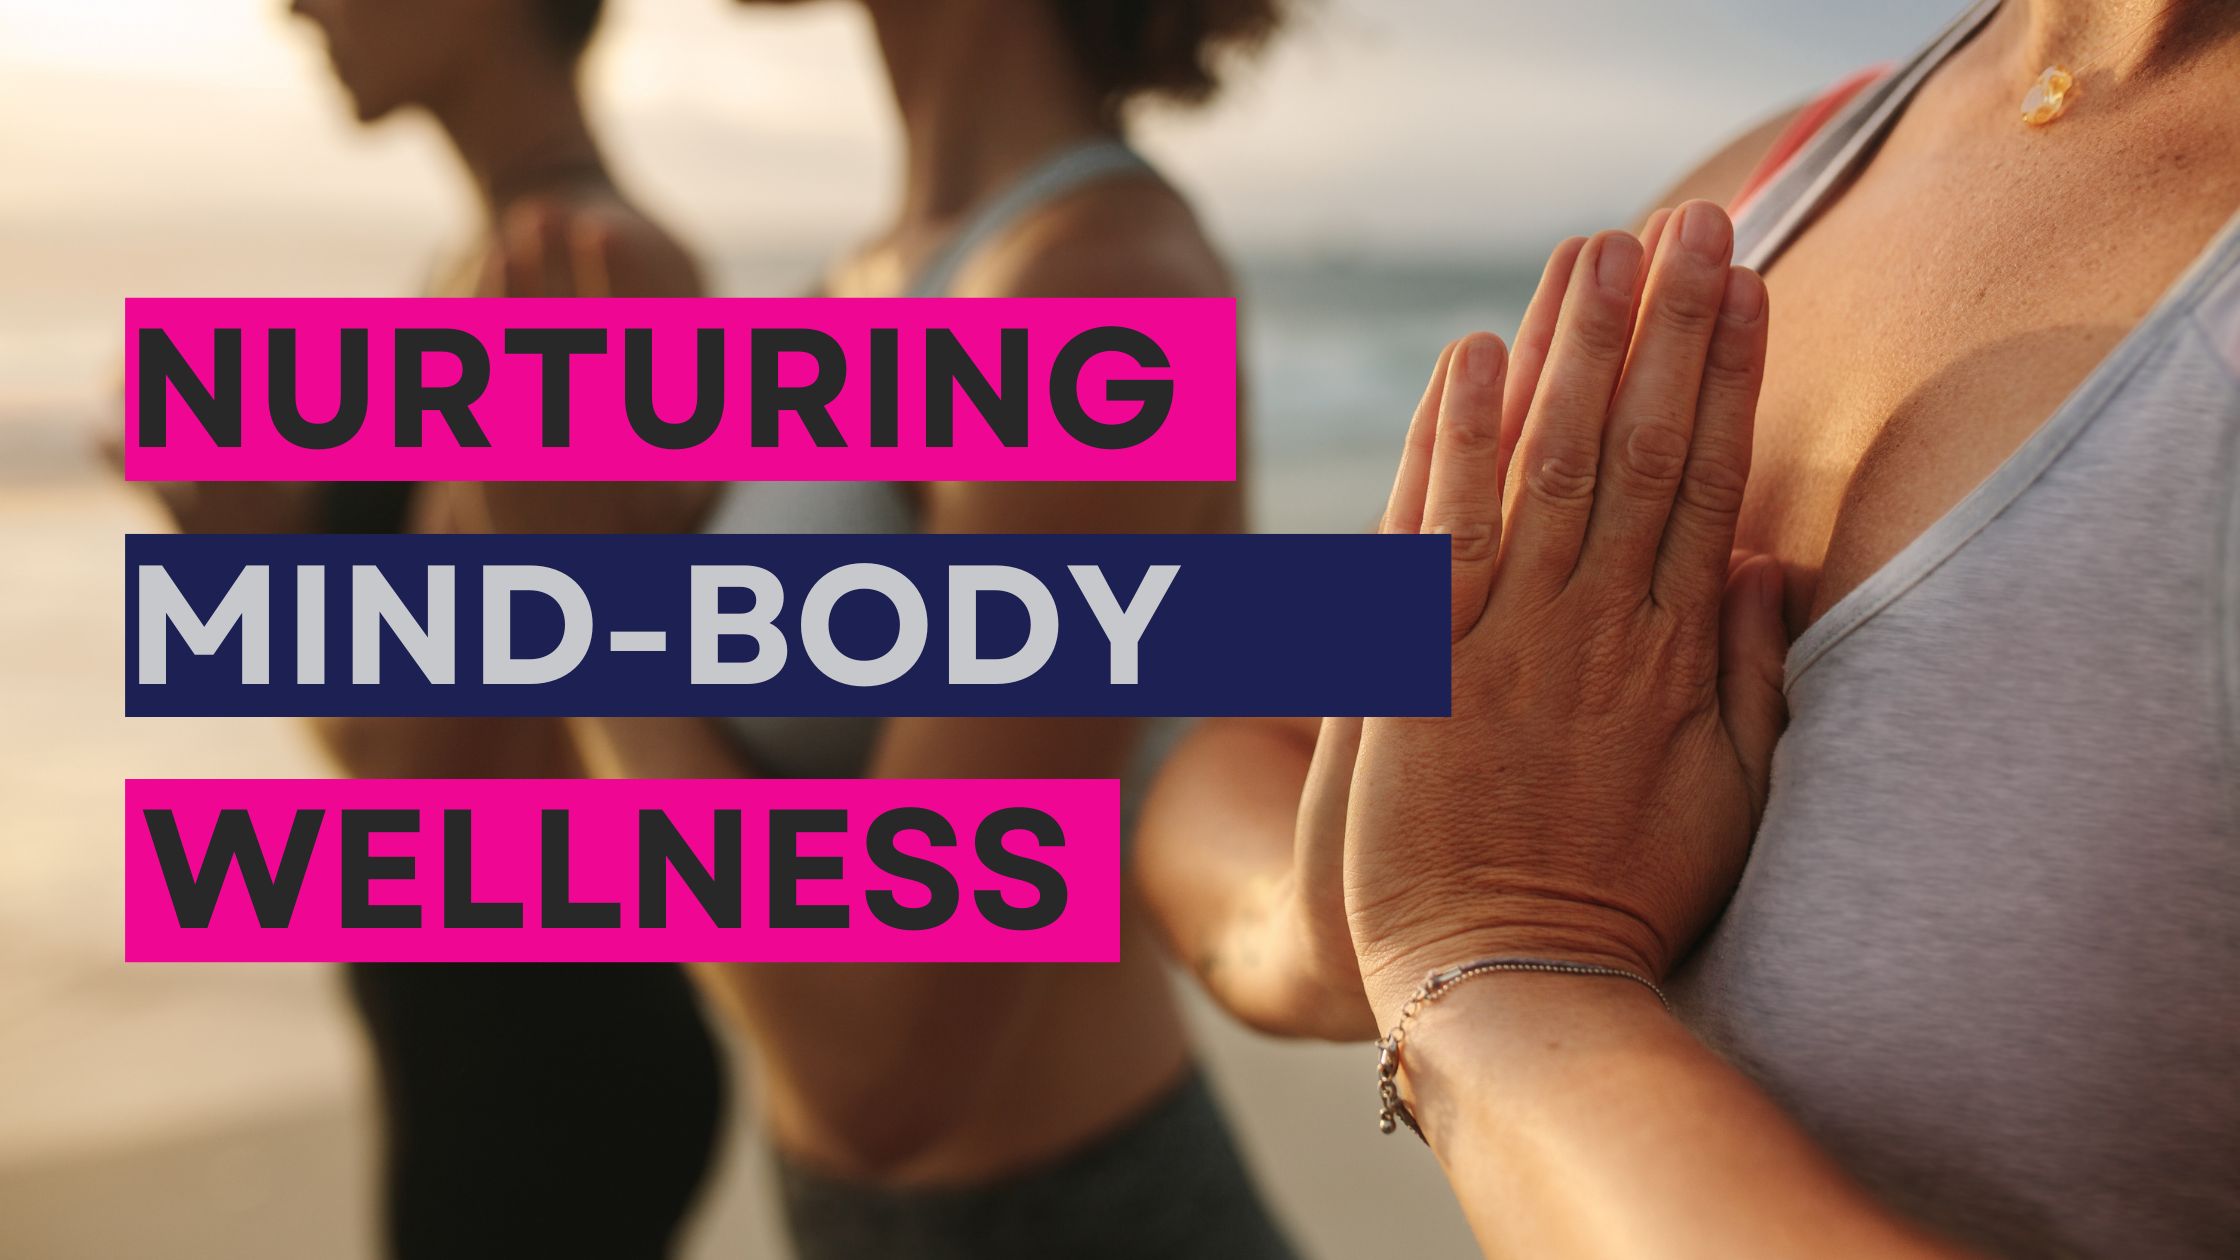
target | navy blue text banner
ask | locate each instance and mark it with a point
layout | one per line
(788, 624)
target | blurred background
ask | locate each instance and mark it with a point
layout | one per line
(1390, 176)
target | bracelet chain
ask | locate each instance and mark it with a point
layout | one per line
(1393, 1110)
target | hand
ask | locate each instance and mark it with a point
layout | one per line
(1616, 688)
(1272, 945)
(548, 247)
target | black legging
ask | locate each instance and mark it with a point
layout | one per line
(565, 1109)
(540, 1109)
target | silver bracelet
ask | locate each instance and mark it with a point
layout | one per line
(1393, 1110)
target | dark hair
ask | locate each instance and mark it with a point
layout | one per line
(1169, 48)
(569, 22)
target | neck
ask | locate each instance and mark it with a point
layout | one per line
(985, 88)
(2119, 38)
(519, 129)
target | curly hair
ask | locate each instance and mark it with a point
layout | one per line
(1172, 49)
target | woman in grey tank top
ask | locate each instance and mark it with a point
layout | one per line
(1009, 1111)
(1969, 986)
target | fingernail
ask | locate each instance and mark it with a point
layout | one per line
(1481, 359)
(1745, 298)
(1703, 230)
(1618, 264)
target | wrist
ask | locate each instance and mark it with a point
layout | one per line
(1489, 1045)
(1392, 969)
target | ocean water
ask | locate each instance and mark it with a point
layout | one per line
(1337, 352)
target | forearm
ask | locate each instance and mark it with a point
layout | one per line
(1577, 1119)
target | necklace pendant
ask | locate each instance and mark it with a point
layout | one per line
(2048, 98)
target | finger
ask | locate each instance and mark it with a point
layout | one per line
(1753, 646)
(1562, 440)
(1700, 533)
(591, 244)
(1464, 498)
(521, 240)
(1530, 353)
(1652, 231)
(1403, 509)
(1652, 241)
(555, 249)
(1645, 447)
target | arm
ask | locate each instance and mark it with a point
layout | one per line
(1237, 860)
(1592, 796)
(1576, 1118)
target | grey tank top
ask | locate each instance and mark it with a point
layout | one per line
(828, 747)
(1987, 946)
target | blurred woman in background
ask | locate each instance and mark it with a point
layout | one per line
(993, 1111)
(533, 1109)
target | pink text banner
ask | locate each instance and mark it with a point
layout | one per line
(622, 870)
(700, 389)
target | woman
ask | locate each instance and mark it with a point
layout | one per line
(507, 1089)
(1008, 1110)
(1960, 990)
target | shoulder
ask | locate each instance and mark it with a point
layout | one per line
(1120, 237)
(1720, 177)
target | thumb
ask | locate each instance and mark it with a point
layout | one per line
(1324, 799)
(1753, 642)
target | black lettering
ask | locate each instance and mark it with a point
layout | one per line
(1155, 396)
(813, 401)
(707, 401)
(555, 346)
(287, 409)
(949, 368)
(233, 842)
(360, 867)
(460, 909)
(940, 885)
(886, 386)
(1049, 885)
(662, 848)
(454, 402)
(559, 910)
(788, 868)
(218, 406)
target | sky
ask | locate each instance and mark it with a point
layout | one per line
(200, 146)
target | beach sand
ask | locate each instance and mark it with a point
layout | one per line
(222, 1111)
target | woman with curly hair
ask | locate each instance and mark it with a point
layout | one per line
(992, 1111)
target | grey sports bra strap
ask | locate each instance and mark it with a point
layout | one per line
(1786, 204)
(1059, 174)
